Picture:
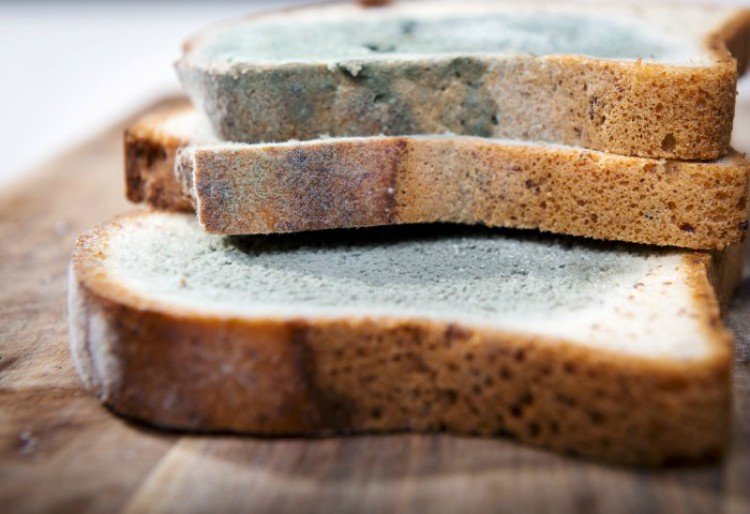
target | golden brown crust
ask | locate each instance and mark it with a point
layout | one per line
(641, 109)
(379, 181)
(183, 369)
(149, 155)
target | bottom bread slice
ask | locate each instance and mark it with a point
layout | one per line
(613, 352)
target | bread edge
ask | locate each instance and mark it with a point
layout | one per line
(157, 183)
(129, 350)
(149, 154)
(703, 134)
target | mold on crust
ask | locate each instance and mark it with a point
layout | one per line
(207, 338)
(335, 183)
(351, 182)
(501, 32)
(644, 81)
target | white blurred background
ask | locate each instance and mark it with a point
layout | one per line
(70, 69)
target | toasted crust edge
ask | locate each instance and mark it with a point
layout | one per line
(159, 364)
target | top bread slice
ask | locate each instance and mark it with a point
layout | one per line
(644, 80)
(610, 351)
(356, 182)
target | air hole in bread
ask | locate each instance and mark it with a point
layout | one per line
(687, 227)
(597, 418)
(668, 143)
(565, 400)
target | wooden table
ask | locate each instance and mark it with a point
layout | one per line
(61, 451)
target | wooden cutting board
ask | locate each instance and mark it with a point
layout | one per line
(61, 451)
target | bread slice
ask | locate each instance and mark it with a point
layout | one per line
(613, 352)
(151, 145)
(353, 182)
(643, 80)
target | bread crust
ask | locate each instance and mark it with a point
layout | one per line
(630, 108)
(379, 181)
(376, 181)
(149, 154)
(184, 369)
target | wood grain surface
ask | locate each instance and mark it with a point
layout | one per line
(61, 451)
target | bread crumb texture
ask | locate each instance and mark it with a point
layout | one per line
(335, 183)
(646, 83)
(610, 352)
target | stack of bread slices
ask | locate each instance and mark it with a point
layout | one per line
(334, 237)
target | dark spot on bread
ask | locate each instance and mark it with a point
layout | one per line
(407, 28)
(593, 102)
(686, 227)
(380, 48)
(321, 409)
(668, 143)
(565, 400)
(449, 396)
(457, 332)
(596, 417)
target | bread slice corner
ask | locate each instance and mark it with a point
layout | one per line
(150, 146)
